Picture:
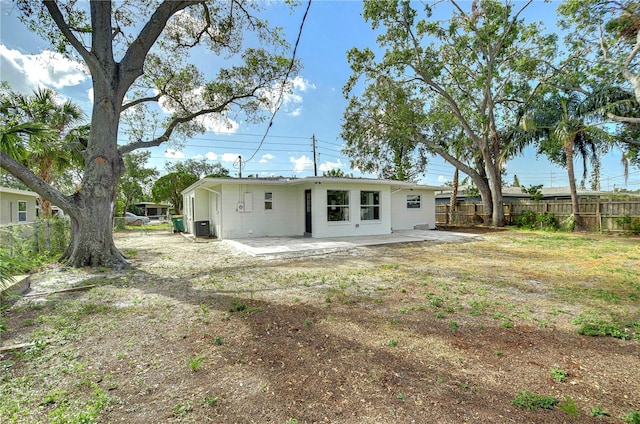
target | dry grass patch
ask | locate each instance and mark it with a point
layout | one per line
(438, 332)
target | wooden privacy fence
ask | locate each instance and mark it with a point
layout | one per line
(598, 214)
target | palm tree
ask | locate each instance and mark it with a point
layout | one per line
(562, 133)
(51, 152)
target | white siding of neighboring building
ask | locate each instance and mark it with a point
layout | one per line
(9, 199)
(405, 218)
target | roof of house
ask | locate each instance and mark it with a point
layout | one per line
(19, 192)
(153, 204)
(317, 180)
(546, 192)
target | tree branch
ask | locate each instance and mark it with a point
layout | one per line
(448, 157)
(62, 25)
(175, 122)
(101, 46)
(634, 79)
(36, 184)
(141, 100)
(133, 61)
(623, 119)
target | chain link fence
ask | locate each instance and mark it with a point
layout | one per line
(43, 237)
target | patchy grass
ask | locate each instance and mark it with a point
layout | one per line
(441, 332)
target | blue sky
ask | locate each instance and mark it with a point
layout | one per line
(315, 107)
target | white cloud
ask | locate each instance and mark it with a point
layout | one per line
(442, 179)
(266, 158)
(290, 100)
(211, 156)
(218, 124)
(90, 94)
(303, 163)
(328, 165)
(230, 157)
(302, 84)
(25, 72)
(174, 154)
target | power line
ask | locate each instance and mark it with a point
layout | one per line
(286, 78)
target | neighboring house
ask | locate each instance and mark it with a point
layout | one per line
(231, 208)
(510, 194)
(17, 206)
(154, 210)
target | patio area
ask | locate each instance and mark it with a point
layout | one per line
(263, 246)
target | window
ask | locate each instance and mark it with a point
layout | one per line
(413, 201)
(337, 205)
(369, 205)
(22, 211)
(268, 201)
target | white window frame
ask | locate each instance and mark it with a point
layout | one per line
(338, 212)
(366, 206)
(414, 201)
(22, 214)
(268, 200)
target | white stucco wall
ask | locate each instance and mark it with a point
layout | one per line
(355, 226)
(405, 218)
(236, 209)
(244, 214)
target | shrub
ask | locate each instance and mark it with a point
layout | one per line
(533, 220)
(531, 401)
(630, 225)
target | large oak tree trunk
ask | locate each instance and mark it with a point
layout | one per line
(92, 237)
(92, 223)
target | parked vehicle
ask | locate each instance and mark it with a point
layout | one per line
(132, 219)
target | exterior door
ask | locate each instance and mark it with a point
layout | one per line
(307, 212)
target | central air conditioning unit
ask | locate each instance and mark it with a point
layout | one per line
(240, 207)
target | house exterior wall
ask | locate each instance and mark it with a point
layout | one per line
(264, 208)
(199, 205)
(245, 212)
(9, 206)
(405, 218)
(355, 225)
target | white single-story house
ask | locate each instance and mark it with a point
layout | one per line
(232, 208)
(17, 206)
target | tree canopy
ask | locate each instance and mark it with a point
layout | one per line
(199, 168)
(138, 56)
(169, 188)
(463, 84)
(135, 184)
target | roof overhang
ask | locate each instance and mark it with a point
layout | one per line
(395, 185)
(18, 192)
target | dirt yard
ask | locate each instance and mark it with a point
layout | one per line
(481, 331)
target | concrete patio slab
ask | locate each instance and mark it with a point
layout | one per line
(262, 246)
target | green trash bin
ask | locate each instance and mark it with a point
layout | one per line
(178, 223)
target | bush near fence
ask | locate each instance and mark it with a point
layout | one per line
(597, 214)
(28, 244)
